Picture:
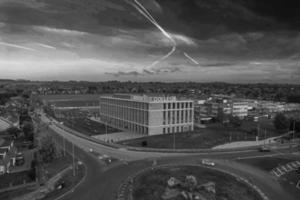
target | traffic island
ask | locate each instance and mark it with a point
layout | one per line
(188, 182)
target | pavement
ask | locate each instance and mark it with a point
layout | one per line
(246, 143)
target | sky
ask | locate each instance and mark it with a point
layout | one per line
(151, 40)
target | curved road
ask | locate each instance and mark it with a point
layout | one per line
(102, 183)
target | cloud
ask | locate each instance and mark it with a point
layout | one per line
(60, 31)
(122, 73)
(17, 46)
(46, 46)
(217, 64)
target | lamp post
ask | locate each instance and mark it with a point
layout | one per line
(73, 154)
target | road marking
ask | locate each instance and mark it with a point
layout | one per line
(279, 172)
(294, 165)
(284, 169)
(289, 167)
(274, 173)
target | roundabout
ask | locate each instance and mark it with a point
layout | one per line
(187, 182)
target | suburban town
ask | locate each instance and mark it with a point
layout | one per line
(149, 100)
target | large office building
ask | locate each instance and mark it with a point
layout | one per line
(147, 115)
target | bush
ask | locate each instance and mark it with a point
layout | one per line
(144, 143)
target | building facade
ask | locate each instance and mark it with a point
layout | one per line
(240, 109)
(147, 115)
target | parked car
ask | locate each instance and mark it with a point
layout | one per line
(264, 149)
(207, 162)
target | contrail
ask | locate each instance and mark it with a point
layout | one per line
(145, 10)
(147, 15)
(190, 58)
(17, 46)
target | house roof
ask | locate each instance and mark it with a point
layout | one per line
(2, 151)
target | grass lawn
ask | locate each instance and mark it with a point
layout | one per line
(15, 193)
(14, 179)
(58, 165)
(88, 127)
(289, 182)
(199, 138)
(266, 163)
(263, 124)
(152, 184)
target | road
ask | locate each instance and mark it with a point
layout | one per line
(102, 183)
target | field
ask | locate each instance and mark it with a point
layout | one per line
(199, 138)
(14, 179)
(70, 97)
(152, 184)
(88, 127)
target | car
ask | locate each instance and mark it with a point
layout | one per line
(264, 149)
(207, 162)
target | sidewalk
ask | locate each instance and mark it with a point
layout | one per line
(240, 144)
(42, 191)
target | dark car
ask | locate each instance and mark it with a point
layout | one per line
(264, 149)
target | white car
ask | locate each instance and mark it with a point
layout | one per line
(208, 162)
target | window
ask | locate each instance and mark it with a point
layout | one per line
(169, 105)
(174, 105)
(165, 106)
(164, 130)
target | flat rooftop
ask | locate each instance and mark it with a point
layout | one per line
(147, 98)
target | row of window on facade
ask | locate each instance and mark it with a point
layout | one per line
(177, 129)
(132, 104)
(178, 116)
(119, 123)
(178, 105)
(138, 116)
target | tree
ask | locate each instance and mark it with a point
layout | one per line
(14, 131)
(48, 150)
(280, 122)
(28, 130)
(235, 121)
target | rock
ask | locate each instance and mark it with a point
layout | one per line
(209, 187)
(172, 182)
(191, 180)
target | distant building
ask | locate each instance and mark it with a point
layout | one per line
(239, 109)
(147, 115)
